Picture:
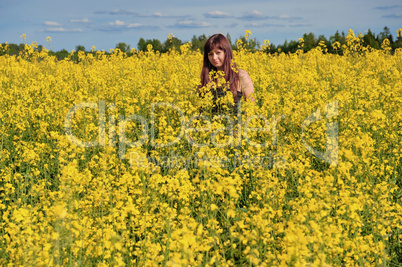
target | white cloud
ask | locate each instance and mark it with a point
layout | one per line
(192, 24)
(287, 17)
(121, 26)
(158, 14)
(217, 14)
(121, 12)
(51, 23)
(161, 15)
(134, 25)
(255, 14)
(61, 29)
(117, 23)
(300, 25)
(284, 17)
(264, 25)
(116, 12)
(84, 20)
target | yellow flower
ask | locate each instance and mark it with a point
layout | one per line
(399, 32)
(60, 211)
(247, 34)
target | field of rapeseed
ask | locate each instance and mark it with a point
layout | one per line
(109, 161)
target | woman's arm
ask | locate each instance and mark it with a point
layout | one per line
(246, 85)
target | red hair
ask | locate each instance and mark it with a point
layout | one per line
(219, 41)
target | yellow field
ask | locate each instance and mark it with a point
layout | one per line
(98, 167)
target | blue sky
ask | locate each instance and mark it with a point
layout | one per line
(104, 23)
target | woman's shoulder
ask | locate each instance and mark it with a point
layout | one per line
(243, 73)
(246, 84)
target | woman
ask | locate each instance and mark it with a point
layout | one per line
(218, 56)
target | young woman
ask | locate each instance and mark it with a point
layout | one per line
(218, 56)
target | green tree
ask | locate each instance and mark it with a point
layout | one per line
(141, 44)
(309, 41)
(385, 34)
(13, 49)
(341, 38)
(250, 44)
(171, 43)
(321, 38)
(198, 42)
(123, 47)
(61, 54)
(289, 47)
(370, 40)
(156, 44)
(80, 48)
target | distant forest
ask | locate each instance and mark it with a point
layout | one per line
(197, 42)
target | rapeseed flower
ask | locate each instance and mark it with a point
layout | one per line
(270, 197)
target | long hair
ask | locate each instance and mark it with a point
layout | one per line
(221, 42)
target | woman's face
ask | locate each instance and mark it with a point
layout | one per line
(217, 58)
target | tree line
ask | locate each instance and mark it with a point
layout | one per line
(197, 43)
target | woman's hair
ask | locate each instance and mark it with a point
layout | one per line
(219, 41)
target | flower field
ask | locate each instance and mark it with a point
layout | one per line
(109, 161)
